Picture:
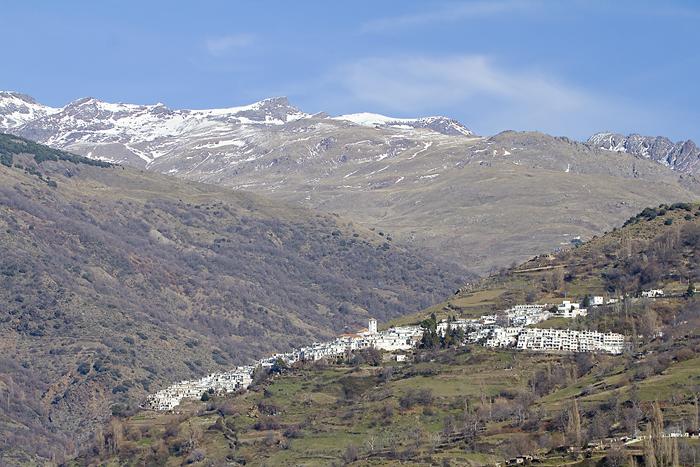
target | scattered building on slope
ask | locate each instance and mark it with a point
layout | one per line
(653, 293)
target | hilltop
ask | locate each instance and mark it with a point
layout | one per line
(115, 281)
(467, 405)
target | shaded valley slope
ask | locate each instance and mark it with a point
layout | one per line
(115, 281)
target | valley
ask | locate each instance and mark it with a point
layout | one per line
(115, 281)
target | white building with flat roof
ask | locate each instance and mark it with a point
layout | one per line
(567, 340)
(653, 293)
(503, 337)
(569, 309)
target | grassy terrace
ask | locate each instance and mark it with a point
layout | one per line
(322, 415)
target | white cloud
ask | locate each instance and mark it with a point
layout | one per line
(447, 13)
(493, 97)
(222, 45)
(414, 83)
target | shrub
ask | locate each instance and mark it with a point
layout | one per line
(679, 206)
(292, 431)
(84, 368)
(197, 455)
(684, 354)
(267, 423)
(414, 397)
(118, 409)
(351, 454)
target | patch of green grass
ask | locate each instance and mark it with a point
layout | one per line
(554, 323)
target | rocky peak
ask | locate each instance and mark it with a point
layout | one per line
(17, 109)
(683, 156)
(444, 125)
(272, 110)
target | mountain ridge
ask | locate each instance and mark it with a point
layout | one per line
(683, 156)
(458, 196)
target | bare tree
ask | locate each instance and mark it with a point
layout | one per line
(659, 451)
(555, 279)
(695, 421)
(649, 324)
(573, 426)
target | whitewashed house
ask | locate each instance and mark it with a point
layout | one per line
(503, 337)
(568, 309)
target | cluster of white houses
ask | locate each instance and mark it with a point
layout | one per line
(391, 340)
(505, 329)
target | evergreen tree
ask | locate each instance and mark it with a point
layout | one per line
(691, 290)
(430, 338)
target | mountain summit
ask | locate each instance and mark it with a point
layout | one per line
(439, 124)
(17, 109)
(683, 156)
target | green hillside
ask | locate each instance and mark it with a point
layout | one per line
(471, 405)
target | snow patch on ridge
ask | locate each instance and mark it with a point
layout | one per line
(438, 124)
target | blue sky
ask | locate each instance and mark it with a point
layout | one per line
(563, 67)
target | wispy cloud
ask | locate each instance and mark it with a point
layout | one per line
(218, 46)
(494, 96)
(447, 13)
(412, 83)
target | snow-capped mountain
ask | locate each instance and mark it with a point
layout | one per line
(683, 156)
(444, 125)
(16, 109)
(141, 134)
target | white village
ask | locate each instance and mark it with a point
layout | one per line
(505, 329)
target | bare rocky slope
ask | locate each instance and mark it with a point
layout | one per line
(483, 202)
(115, 281)
(683, 156)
